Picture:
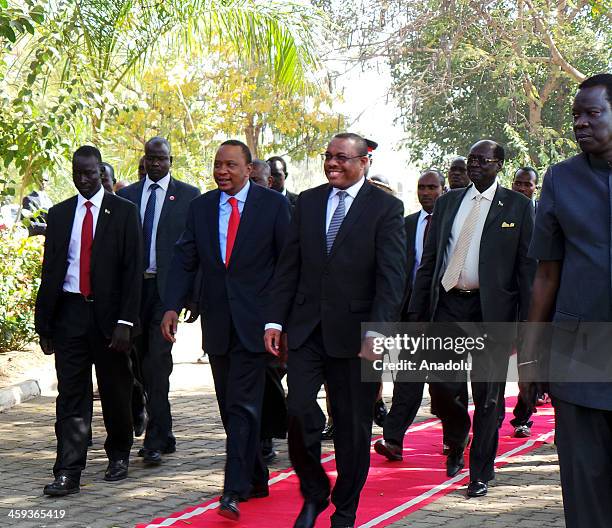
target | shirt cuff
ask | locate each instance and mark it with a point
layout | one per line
(120, 321)
(370, 333)
(274, 326)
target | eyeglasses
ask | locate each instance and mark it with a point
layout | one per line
(481, 160)
(340, 158)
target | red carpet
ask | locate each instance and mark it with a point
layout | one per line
(393, 489)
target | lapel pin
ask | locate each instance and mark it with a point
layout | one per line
(500, 203)
(171, 198)
(106, 211)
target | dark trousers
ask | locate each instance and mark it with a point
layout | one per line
(583, 438)
(407, 397)
(450, 404)
(274, 408)
(155, 366)
(79, 344)
(239, 377)
(351, 404)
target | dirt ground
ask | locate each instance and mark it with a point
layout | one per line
(18, 366)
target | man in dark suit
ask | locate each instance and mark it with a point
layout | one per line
(278, 175)
(407, 395)
(235, 233)
(86, 308)
(163, 202)
(343, 264)
(475, 269)
(573, 289)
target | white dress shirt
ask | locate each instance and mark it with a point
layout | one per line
(332, 200)
(332, 203)
(72, 279)
(160, 197)
(469, 280)
(418, 241)
(225, 210)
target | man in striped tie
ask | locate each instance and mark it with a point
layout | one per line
(344, 264)
(475, 268)
(234, 234)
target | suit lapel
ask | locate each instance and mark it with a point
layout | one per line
(247, 220)
(104, 217)
(212, 219)
(450, 218)
(138, 189)
(497, 206)
(168, 202)
(67, 222)
(357, 207)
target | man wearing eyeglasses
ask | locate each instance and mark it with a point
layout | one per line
(475, 268)
(343, 264)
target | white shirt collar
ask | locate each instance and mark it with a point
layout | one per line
(351, 191)
(284, 193)
(423, 215)
(241, 195)
(163, 183)
(488, 194)
(96, 199)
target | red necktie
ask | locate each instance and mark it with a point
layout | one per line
(232, 229)
(85, 259)
(427, 224)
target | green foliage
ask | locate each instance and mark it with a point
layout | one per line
(20, 267)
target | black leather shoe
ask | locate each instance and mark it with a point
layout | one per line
(454, 463)
(388, 449)
(267, 450)
(228, 507)
(477, 488)
(140, 422)
(116, 470)
(309, 513)
(258, 491)
(62, 485)
(152, 456)
(328, 432)
(380, 413)
(169, 449)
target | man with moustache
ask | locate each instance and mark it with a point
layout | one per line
(407, 395)
(457, 174)
(343, 265)
(573, 286)
(235, 233)
(86, 308)
(526, 182)
(163, 202)
(278, 175)
(475, 268)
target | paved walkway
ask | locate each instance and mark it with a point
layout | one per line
(526, 492)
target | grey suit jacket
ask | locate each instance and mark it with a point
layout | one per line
(171, 221)
(505, 271)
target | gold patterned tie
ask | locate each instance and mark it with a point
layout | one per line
(457, 260)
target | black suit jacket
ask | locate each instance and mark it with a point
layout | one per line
(410, 225)
(233, 295)
(292, 198)
(116, 264)
(361, 280)
(171, 222)
(505, 271)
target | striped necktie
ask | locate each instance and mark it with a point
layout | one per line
(457, 260)
(336, 221)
